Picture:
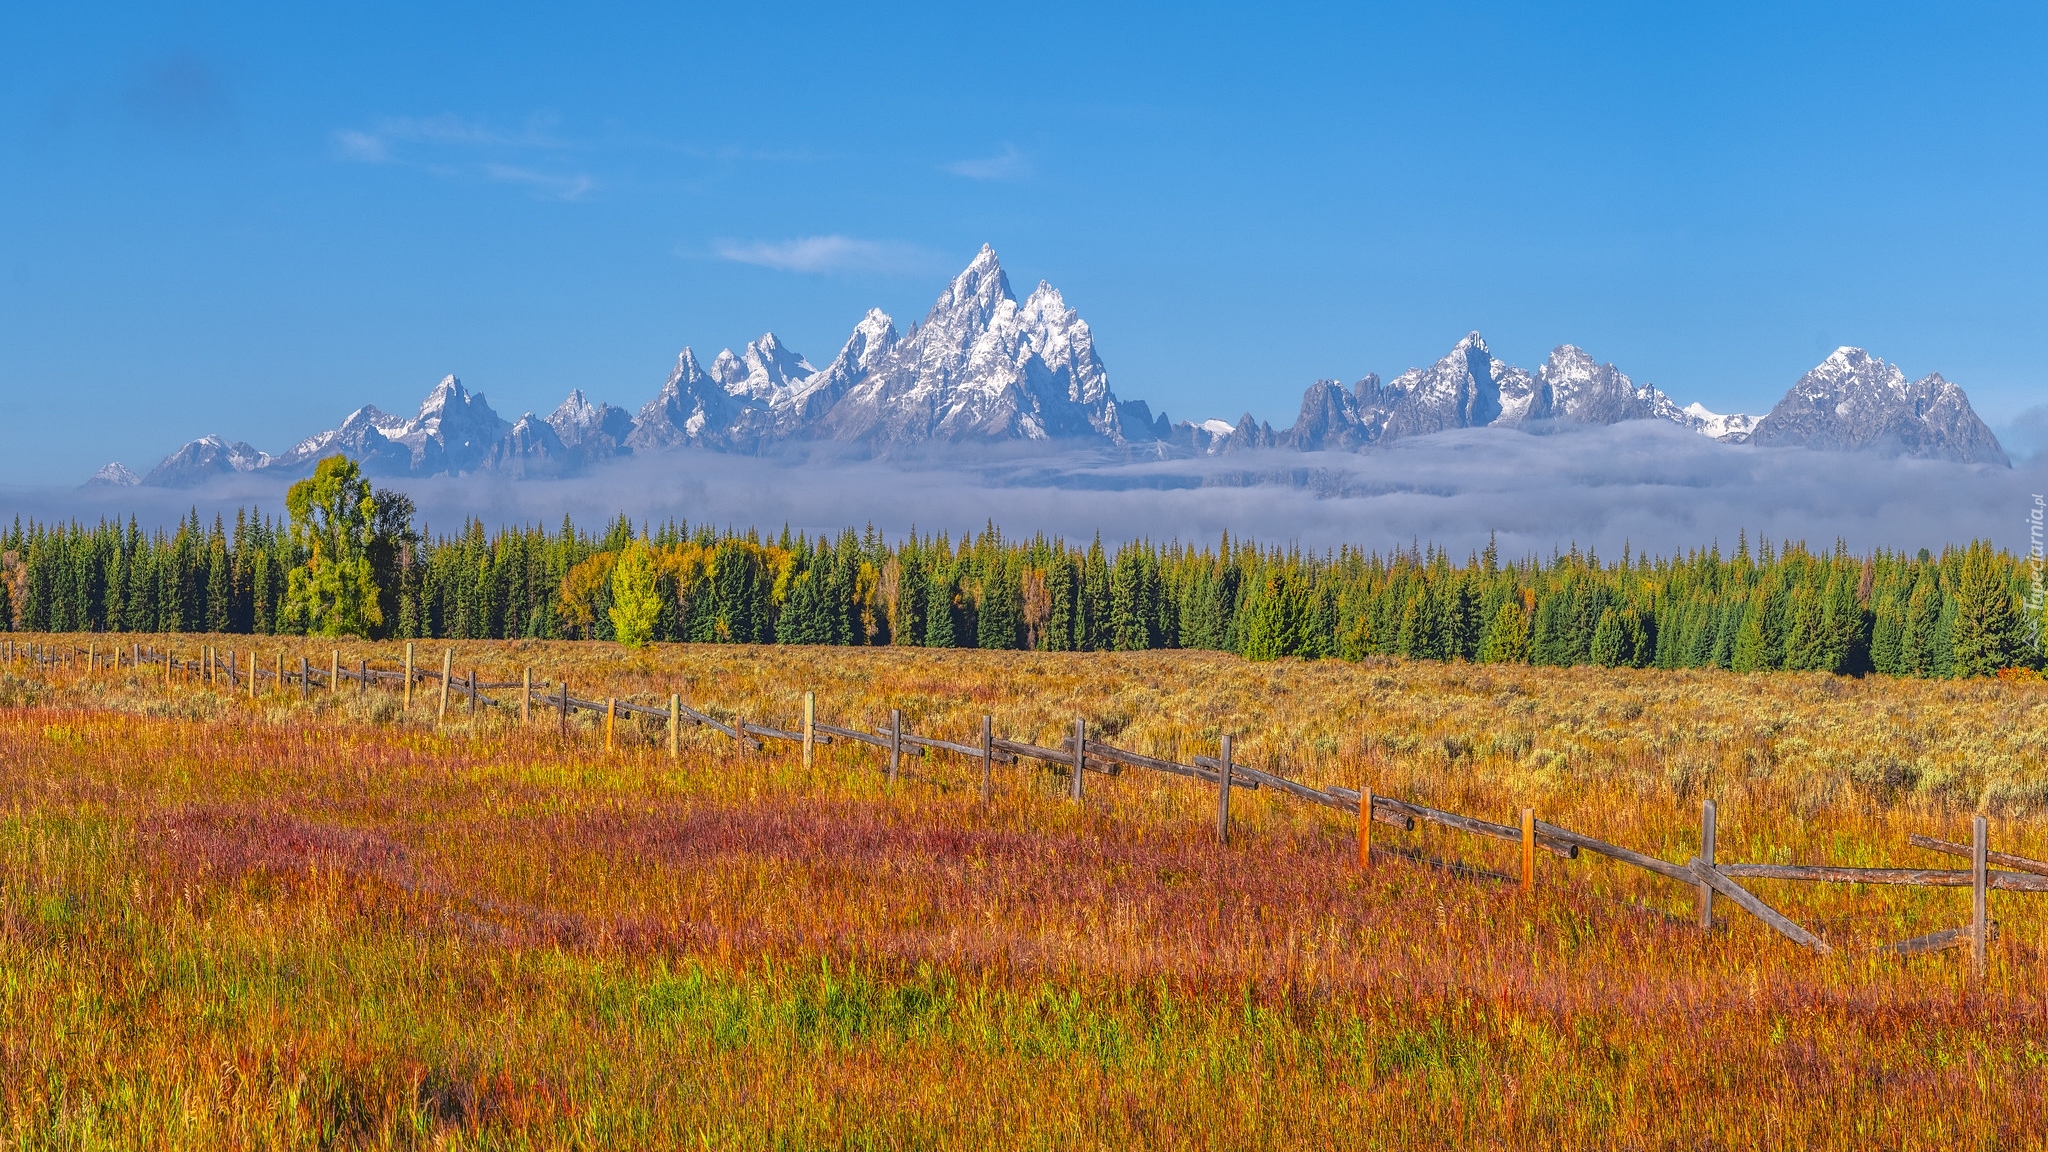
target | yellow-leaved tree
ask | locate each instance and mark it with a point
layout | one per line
(333, 523)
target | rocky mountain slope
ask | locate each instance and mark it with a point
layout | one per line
(1854, 400)
(983, 367)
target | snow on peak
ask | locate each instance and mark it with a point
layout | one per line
(1716, 426)
(114, 475)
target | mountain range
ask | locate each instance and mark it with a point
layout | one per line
(982, 367)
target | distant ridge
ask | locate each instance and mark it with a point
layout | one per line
(982, 367)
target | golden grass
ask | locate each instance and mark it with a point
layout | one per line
(227, 923)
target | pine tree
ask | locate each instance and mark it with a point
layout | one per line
(1269, 626)
(942, 608)
(1988, 632)
(999, 624)
(1918, 638)
(1507, 635)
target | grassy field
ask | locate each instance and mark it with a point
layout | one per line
(330, 923)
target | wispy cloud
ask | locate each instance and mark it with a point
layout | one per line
(453, 146)
(361, 147)
(1009, 164)
(554, 187)
(827, 254)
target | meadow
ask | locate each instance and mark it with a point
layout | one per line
(335, 922)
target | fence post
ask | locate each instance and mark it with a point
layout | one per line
(447, 670)
(1364, 827)
(472, 693)
(565, 709)
(252, 674)
(988, 757)
(526, 695)
(810, 724)
(408, 675)
(334, 672)
(1080, 755)
(278, 677)
(1223, 791)
(1979, 849)
(305, 677)
(739, 733)
(1707, 858)
(611, 711)
(362, 675)
(895, 741)
(675, 725)
(1528, 849)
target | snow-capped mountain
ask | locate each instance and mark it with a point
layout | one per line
(1468, 388)
(981, 366)
(114, 475)
(1734, 428)
(984, 367)
(1854, 400)
(205, 459)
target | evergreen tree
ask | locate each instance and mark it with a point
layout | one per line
(999, 625)
(1507, 635)
(1988, 632)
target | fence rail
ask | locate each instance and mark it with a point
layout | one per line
(1699, 872)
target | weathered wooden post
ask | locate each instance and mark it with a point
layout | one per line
(526, 695)
(277, 678)
(305, 677)
(447, 670)
(1080, 755)
(1979, 854)
(611, 712)
(334, 672)
(1223, 790)
(988, 758)
(1528, 849)
(810, 725)
(472, 693)
(1707, 858)
(565, 709)
(252, 675)
(895, 742)
(362, 675)
(739, 734)
(675, 726)
(408, 676)
(1364, 827)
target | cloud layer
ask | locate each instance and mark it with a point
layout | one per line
(1656, 489)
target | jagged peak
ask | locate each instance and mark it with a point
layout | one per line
(981, 282)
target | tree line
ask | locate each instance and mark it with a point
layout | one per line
(346, 560)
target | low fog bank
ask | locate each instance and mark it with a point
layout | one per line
(1656, 488)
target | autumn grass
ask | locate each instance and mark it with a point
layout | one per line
(236, 923)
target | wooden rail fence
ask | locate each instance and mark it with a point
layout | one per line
(1078, 755)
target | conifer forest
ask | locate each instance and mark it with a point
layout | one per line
(1957, 613)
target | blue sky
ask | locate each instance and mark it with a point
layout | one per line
(249, 220)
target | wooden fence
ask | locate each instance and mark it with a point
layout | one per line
(1078, 755)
